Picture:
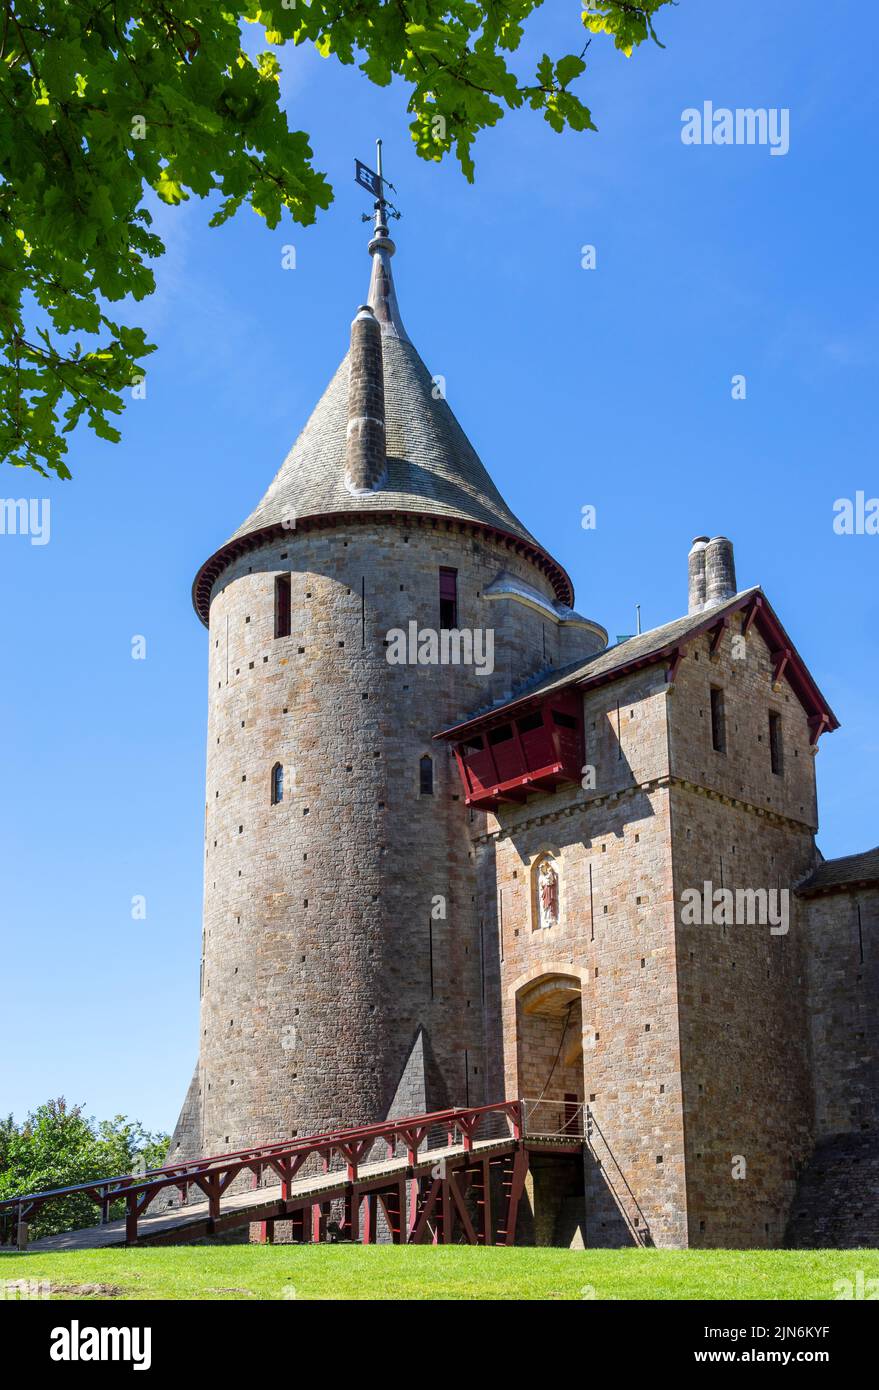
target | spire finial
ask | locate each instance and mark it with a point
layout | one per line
(374, 181)
(382, 297)
(381, 223)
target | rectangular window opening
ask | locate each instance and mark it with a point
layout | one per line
(425, 776)
(501, 735)
(529, 722)
(448, 598)
(282, 605)
(776, 748)
(718, 720)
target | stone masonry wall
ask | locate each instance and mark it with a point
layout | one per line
(616, 935)
(742, 989)
(331, 994)
(842, 929)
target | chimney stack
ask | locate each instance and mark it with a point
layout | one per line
(696, 575)
(366, 458)
(720, 571)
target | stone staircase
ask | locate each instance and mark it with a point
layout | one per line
(837, 1200)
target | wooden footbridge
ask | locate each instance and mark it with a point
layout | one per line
(452, 1175)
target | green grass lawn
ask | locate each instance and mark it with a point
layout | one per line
(424, 1272)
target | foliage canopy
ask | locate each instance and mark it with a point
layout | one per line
(57, 1146)
(102, 101)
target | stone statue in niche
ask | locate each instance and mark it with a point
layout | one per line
(548, 894)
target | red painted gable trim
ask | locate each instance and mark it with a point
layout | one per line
(759, 611)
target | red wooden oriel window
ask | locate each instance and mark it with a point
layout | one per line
(534, 751)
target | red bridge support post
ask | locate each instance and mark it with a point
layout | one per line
(517, 1187)
(484, 1200)
(131, 1219)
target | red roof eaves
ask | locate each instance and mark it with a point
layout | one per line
(769, 625)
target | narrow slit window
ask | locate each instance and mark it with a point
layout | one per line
(776, 746)
(718, 720)
(277, 784)
(282, 605)
(425, 776)
(448, 597)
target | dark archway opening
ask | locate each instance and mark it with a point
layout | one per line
(549, 1040)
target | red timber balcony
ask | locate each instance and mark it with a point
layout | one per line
(506, 758)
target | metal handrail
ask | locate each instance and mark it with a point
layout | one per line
(573, 1117)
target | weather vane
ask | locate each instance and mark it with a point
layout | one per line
(375, 183)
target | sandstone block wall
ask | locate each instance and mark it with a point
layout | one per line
(616, 936)
(742, 989)
(742, 668)
(695, 1038)
(333, 992)
(842, 932)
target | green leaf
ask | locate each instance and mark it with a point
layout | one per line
(568, 68)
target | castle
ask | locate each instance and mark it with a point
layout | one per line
(457, 847)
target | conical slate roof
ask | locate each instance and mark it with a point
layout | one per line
(432, 468)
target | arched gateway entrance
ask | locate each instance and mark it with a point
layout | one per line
(549, 1053)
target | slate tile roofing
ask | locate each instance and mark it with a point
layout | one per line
(848, 871)
(433, 470)
(640, 650)
(432, 466)
(658, 644)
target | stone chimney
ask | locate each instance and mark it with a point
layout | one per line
(720, 571)
(365, 457)
(696, 575)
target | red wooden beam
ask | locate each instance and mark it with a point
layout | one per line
(427, 1199)
(393, 1202)
(817, 725)
(463, 772)
(460, 1208)
(487, 1221)
(717, 636)
(751, 614)
(676, 657)
(445, 1185)
(780, 660)
(414, 1188)
(517, 1187)
(131, 1219)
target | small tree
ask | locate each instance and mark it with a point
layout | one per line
(57, 1146)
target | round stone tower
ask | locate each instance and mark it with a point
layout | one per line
(342, 951)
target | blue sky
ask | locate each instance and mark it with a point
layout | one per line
(609, 387)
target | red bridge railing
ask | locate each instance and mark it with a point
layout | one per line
(213, 1176)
